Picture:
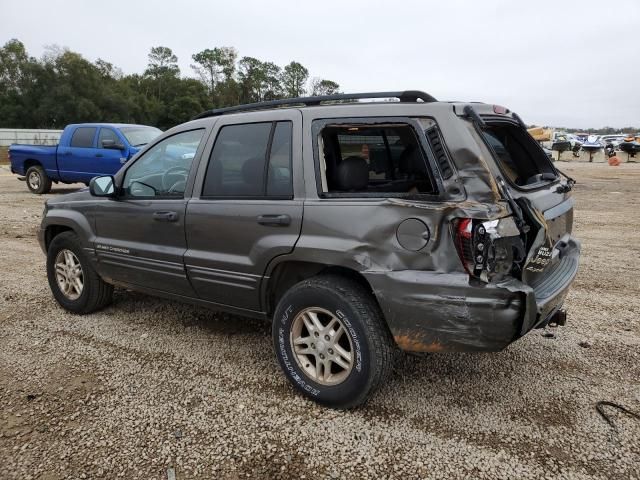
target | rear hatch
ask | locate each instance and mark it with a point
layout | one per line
(545, 255)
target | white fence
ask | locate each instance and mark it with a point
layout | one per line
(34, 137)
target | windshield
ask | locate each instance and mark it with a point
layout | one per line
(138, 136)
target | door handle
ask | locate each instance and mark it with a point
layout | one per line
(99, 155)
(165, 216)
(278, 219)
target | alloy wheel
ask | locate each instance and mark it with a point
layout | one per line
(322, 346)
(69, 274)
(34, 180)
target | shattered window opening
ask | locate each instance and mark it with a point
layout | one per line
(373, 160)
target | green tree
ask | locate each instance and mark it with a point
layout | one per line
(215, 65)
(13, 61)
(162, 68)
(63, 87)
(108, 70)
(293, 78)
(162, 62)
(272, 89)
(320, 86)
(252, 78)
(76, 89)
(16, 74)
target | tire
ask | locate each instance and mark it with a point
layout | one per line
(94, 294)
(37, 180)
(371, 345)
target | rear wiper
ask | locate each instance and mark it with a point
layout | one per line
(567, 187)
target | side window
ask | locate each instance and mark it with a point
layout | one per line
(109, 135)
(83, 137)
(237, 164)
(164, 168)
(279, 180)
(373, 160)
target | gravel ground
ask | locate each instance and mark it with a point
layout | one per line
(149, 385)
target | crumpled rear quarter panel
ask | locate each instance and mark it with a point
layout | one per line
(426, 297)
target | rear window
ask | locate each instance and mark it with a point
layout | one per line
(373, 160)
(251, 160)
(519, 157)
(83, 137)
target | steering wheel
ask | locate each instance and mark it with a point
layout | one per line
(176, 171)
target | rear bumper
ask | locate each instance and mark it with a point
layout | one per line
(438, 312)
(547, 296)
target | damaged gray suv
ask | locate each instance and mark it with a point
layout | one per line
(356, 227)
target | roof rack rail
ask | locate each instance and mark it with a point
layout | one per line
(406, 96)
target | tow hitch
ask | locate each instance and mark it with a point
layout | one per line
(558, 319)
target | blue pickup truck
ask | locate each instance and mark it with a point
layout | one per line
(85, 151)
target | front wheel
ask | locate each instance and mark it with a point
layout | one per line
(73, 281)
(331, 341)
(37, 180)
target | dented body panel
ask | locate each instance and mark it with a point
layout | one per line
(403, 248)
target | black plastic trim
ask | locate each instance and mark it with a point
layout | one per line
(440, 152)
(408, 96)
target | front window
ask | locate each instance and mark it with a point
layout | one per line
(108, 135)
(162, 171)
(139, 135)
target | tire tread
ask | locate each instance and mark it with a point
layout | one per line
(99, 293)
(45, 185)
(382, 348)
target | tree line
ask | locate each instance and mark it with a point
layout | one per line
(63, 87)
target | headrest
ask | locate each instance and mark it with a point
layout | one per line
(352, 174)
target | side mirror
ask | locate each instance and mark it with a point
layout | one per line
(111, 144)
(102, 186)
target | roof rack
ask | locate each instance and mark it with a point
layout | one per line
(410, 96)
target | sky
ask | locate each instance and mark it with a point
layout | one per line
(561, 63)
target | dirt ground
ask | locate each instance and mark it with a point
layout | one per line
(149, 385)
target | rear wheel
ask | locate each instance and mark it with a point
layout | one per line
(37, 180)
(331, 341)
(73, 281)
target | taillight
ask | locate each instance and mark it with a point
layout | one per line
(471, 245)
(488, 249)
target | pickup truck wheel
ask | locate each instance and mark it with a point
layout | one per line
(37, 180)
(331, 341)
(74, 283)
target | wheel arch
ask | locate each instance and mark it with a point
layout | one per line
(30, 162)
(64, 221)
(289, 272)
(52, 231)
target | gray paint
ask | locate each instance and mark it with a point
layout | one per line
(218, 255)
